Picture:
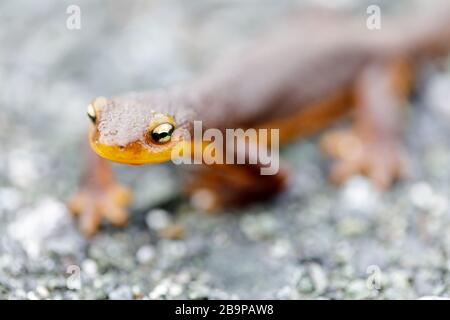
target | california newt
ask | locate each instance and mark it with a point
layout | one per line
(299, 80)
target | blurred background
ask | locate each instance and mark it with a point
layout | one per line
(314, 241)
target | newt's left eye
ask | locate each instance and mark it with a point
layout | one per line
(162, 133)
(92, 114)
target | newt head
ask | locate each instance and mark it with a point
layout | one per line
(129, 130)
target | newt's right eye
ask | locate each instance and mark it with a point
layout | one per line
(92, 114)
(162, 133)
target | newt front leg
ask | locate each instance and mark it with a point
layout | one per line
(99, 196)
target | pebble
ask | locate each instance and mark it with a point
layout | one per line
(32, 296)
(121, 293)
(357, 289)
(304, 284)
(173, 232)
(352, 226)
(42, 292)
(359, 195)
(145, 254)
(286, 293)
(318, 278)
(157, 219)
(160, 290)
(259, 226)
(137, 292)
(421, 195)
(89, 267)
(175, 290)
(10, 199)
(281, 248)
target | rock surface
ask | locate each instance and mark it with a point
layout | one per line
(314, 241)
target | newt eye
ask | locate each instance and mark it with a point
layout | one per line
(92, 114)
(162, 133)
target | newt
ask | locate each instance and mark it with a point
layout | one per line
(319, 69)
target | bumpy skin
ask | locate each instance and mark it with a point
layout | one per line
(316, 70)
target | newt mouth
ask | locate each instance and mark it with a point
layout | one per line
(135, 153)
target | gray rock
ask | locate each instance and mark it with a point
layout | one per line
(315, 241)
